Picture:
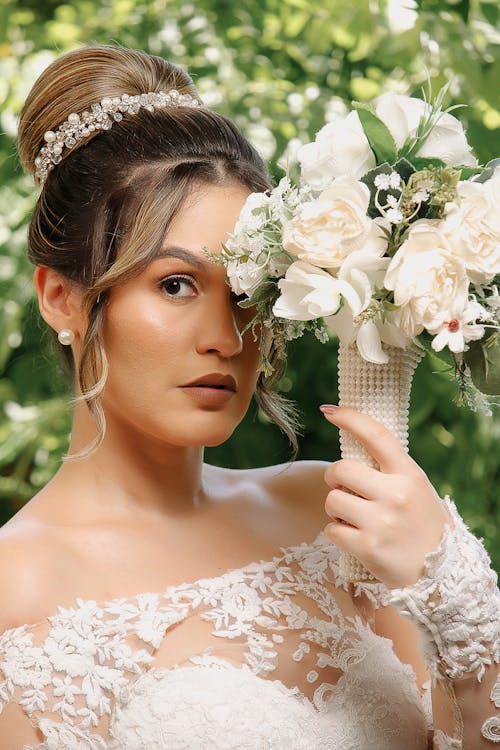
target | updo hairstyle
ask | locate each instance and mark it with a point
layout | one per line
(104, 211)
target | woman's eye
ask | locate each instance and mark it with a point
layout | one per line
(178, 286)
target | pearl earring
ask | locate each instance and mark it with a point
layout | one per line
(66, 336)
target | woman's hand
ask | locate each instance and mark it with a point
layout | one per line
(388, 518)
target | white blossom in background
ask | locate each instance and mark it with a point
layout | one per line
(401, 15)
(262, 138)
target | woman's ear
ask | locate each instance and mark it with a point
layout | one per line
(60, 301)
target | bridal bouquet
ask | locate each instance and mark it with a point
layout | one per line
(390, 234)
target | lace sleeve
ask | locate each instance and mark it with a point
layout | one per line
(456, 607)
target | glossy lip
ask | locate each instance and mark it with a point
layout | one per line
(214, 380)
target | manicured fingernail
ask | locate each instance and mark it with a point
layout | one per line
(328, 408)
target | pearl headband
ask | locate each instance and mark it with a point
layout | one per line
(101, 117)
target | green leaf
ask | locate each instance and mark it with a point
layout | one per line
(404, 168)
(379, 137)
(369, 180)
(467, 172)
(264, 292)
(445, 356)
(488, 170)
(483, 360)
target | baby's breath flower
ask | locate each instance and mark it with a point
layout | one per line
(394, 216)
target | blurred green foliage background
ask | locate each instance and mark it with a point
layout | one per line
(279, 68)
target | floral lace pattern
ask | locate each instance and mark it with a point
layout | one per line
(278, 637)
(491, 727)
(456, 607)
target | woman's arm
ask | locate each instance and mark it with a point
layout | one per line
(435, 572)
(460, 708)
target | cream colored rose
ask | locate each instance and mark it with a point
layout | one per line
(327, 229)
(340, 148)
(429, 280)
(447, 141)
(473, 227)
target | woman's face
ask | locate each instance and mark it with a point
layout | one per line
(179, 370)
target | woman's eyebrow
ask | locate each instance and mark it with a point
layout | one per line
(173, 251)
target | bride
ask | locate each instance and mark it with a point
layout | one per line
(149, 600)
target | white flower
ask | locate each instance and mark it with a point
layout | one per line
(253, 213)
(421, 196)
(363, 271)
(340, 148)
(245, 275)
(394, 216)
(401, 114)
(307, 292)
(326, 230)
(454, 333)
(473, 227)
(387, 181)
(429, 280)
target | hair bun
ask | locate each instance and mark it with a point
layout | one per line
(76, 80)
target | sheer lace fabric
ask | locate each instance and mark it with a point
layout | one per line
(273, 655)
(456, 606)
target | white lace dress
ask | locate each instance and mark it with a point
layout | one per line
(274, 655)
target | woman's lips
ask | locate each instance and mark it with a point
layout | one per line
(209, 395)
(214, 389)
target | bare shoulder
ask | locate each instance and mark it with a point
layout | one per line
(290, 498)
(30, 571)
(299, 492)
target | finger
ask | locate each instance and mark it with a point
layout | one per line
(361, 479)
(346, 537)
(349, 508)
(377, 439)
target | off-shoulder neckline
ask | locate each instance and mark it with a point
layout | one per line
(78, 603)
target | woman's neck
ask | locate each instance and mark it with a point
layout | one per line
(132, 473)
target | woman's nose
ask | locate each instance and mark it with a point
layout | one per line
(219, 329)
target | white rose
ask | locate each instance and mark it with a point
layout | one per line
(401, 114)
(429, 280)
(473, 227)
(340, 148)
(245, 276)
(327, 229)
(308, 292)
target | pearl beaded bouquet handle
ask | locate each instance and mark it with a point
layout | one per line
(381, 391)
(390, 241)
